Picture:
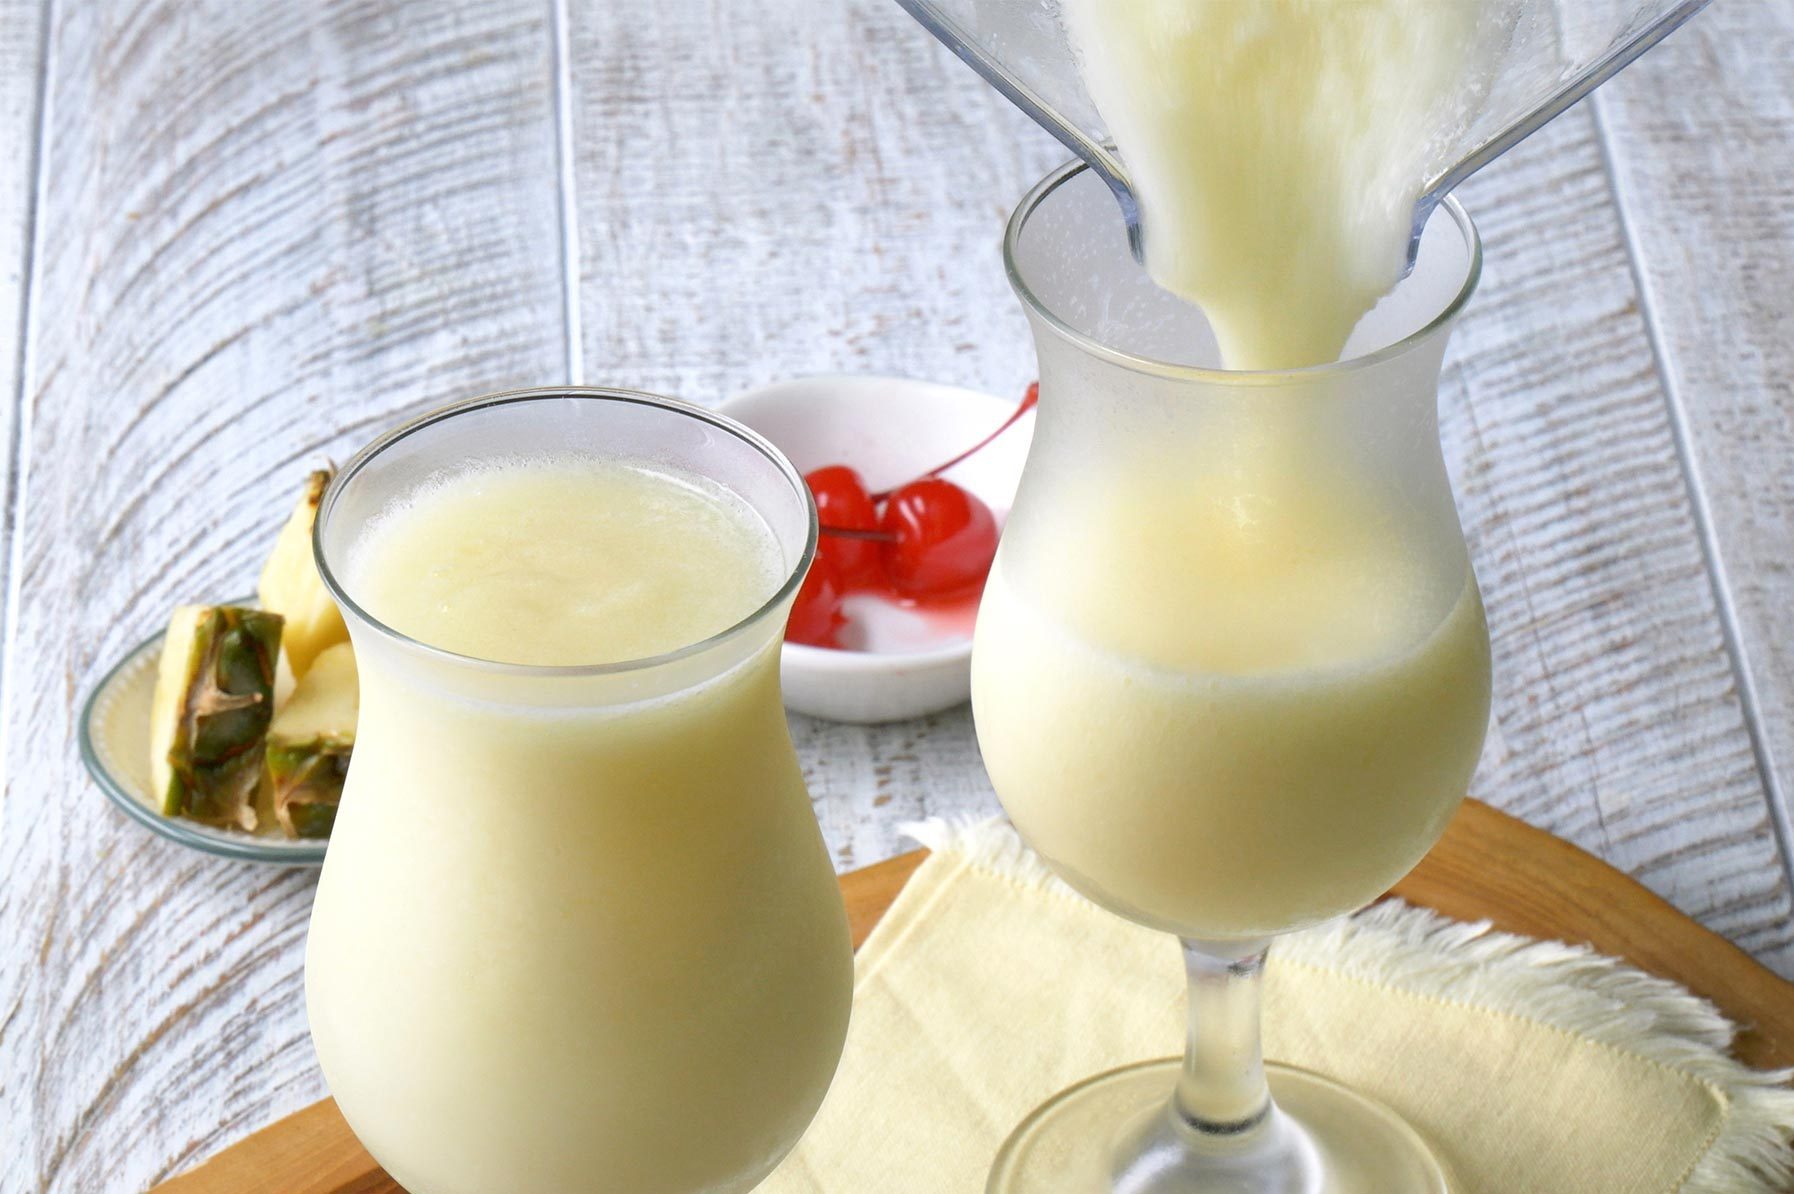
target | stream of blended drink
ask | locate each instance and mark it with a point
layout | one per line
(1277, 148)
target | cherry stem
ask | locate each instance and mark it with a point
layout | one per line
(851, 533)
(1022, 408)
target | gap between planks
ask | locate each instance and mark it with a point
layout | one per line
(1699, 503)
(560, 24)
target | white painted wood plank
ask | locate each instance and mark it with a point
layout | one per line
(1701, 142)
(270, 230)
(1618, 718)
(823, 189)
(819, 189)
(21, 38)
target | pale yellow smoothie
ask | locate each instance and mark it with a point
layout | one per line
(1227, 713)
(565, 562)
(576, 933)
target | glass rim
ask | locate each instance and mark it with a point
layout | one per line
(1063, 174)
(404, 431)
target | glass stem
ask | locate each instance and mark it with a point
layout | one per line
(1222, 1091)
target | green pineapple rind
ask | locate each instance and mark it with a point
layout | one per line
(308, 783)
(215, 756)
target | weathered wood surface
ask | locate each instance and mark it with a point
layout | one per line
(269, 230)
(21, 45)
(1618, 723)
(1701, 147)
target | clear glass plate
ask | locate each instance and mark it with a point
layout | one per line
(115, 747)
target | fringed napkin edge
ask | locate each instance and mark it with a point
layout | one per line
(1570, 988)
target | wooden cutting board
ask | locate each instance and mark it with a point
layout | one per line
(1488, 866)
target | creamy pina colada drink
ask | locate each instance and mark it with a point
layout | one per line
(576, 931)
(1262, 707)
(1264, 672)
(1231, 667)
(565, 561)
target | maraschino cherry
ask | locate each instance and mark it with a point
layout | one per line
(816, 616)
(927, 540)
(842, 504)
(943, 539)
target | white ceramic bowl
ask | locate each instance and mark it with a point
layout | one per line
(891, 429)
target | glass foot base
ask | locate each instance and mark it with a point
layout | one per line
(1114, 1134)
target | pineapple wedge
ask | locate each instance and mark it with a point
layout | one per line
(310, 742)
(214, 699)
(291, 586)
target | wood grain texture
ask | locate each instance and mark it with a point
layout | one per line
(1618, 722)
(21, 50)
(820, 188)
(21, 37)
(268, 231)
(309, 1152)
(1488, 866)
(1700, 137)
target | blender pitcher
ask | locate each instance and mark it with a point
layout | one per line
(1548, 56)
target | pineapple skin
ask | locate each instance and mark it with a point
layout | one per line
(308, 785)
(213, 703)
(290, 584)
(310, 744)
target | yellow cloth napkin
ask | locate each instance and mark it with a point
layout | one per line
(1531, 1066)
